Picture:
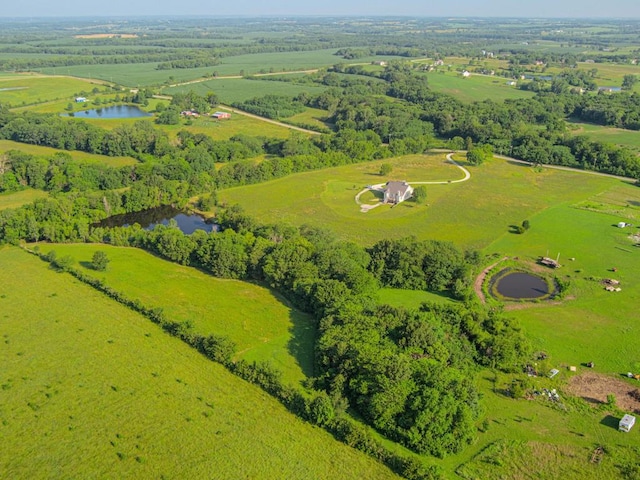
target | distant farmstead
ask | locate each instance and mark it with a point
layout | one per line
(80, 99)
(396, 192)
(221, 115)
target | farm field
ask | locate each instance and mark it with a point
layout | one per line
(471, 214)
(90, 389)
(28, 89)
(146, 74)
(619, 136)
(260, 322)
(231, 90)
(17, 199)
(475, 88)
(6, 145)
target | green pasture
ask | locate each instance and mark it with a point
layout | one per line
(231, 90)
(311, 116)
(410, 299)
(537, 438)
(93, 390)
(475, 88)
(17, 199)
(38, 150)
(225, 129)
(257, 319)
(32, 89)
(471, 214)
(590, 246)
(619, 136)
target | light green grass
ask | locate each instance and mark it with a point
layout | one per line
(225, 129)
(311, 116)
(601, 133)
(470, 214)
(475, 88)
(17, 199)
(409, 299)
(239, 90)
(38, 88)
(6, 145)
(257, 319)
(592, 324)
(92, 390)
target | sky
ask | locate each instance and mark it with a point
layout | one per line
(421, 8)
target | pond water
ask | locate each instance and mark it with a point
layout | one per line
(116, 111)
(521, 286)
(148, 219)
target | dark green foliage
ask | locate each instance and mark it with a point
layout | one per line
(385, 169)
(272, 106)
(420, 194)
(99, 261)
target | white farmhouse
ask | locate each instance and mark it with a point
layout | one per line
(396, 192)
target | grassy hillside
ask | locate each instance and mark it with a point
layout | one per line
(6, 145)
(17, 199)
(257, 319)
(472, 213)
(92, 390)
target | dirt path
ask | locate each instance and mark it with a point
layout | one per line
(237, 77)
(268, 120)
(477, 285)
(365, 207)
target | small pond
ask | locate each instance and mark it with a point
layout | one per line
(148, 219)
(116, 111)
(520, 286)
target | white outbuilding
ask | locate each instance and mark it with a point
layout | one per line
(626, 423)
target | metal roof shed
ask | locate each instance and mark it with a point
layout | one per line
(626, 423)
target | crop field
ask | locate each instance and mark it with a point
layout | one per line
(17, 199)
(92, 390)
(619, 136)
(257, 319)
(239, 89)
(30, 89)
(472, 213)
(6, 145)
(475, 88)
(146, 74)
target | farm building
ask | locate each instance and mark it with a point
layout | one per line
(221, 115)
(396, 192)
(80, 99)
(189, 113)
(626, 423)
(549, 262)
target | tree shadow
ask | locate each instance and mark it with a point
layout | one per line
(610, 421)
(301, 345)
(515, 229)
(87, 265)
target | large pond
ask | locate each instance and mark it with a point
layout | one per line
(148, 219)
(116, 111)
(520, 286)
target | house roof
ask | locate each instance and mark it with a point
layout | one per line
(395, 187)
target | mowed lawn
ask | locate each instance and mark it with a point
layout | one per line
(257, 319)
(92, 390)
(471, 214)
(28, 89)
(475, 88)
(40, 151)
(17, 199)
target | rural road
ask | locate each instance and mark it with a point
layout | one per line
(364, 207)
(238, 77)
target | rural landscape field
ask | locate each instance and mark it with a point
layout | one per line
(311, 247)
